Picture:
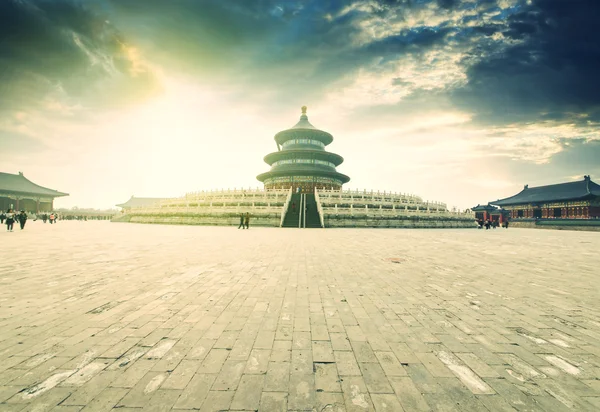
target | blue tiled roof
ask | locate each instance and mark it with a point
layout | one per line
(558, 192)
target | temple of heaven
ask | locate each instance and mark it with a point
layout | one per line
(302, 161)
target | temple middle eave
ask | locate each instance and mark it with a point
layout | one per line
(310, 154)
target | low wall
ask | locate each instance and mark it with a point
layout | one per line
(592, 225)
(202, 220)
(330, 221)
(399, 222)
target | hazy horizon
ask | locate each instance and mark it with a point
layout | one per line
(462, 102)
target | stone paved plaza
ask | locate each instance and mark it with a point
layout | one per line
(98, 315)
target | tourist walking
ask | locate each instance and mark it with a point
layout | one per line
(487, 224)
(44, 217)
(241, 221)
(2, 217)
(247, 220)
(22, 219)
(51, 218)
(10, 220)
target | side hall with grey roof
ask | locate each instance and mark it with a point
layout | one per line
(18, 192)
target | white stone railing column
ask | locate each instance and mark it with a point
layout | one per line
(319, 207)
(285, 206)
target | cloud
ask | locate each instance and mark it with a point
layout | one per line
(548, 74)
(62, 53)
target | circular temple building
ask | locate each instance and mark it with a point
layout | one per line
(302, 161)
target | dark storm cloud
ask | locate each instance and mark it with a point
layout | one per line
(60, 50)
(292, 48)
(550, 74)
(523, 63)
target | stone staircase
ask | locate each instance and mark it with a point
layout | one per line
(312, 213)
(292, 216)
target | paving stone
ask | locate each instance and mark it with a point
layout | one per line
(363, 352)
(302, 392)
(390, 364)
(214, 361)
(356, 395)
(273, 402)
(330, 402)
(278, 376)
(302, 362)
(106, 400)
(450, 330)
(247, 396)
(258, 362)
(326, 377)
(410, 397)
(375, 378)
(195, 392)
(386, 402)
(322, 351)
(339, 341)
(141, 393)
(217, 401)
(346, 363)
(230, 375)
(434, 365)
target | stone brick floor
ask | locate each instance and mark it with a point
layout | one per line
(98, 315)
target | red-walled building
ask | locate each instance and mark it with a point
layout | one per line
(573, 200)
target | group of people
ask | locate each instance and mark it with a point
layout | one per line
(490, 224)
(10, 217)
(52, 218)
(244, 221)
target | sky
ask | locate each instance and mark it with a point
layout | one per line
(459, 101)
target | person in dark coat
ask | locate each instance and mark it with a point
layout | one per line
(44, 217)
(10, 220)
(241, 221)
(22, 219)
(2, 218)
(247, 220)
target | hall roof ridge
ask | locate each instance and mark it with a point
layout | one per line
(20, 184)
(554, 192)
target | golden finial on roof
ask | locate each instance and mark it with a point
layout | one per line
(303, 109)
